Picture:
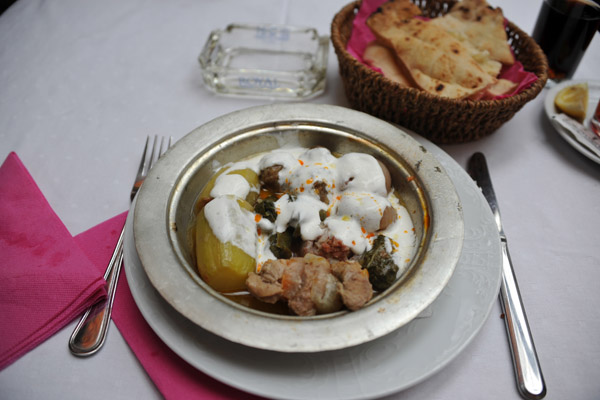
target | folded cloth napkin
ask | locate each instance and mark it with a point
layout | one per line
(46, 280)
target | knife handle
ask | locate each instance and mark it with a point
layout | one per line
(530, 380)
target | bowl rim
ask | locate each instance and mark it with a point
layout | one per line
(153, 230)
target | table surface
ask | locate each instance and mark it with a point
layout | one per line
(84, 82)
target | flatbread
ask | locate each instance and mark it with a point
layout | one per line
(381, 57)
(483, 25)
(392, 12)
(455, 28)
(502, 86)
(437, 62)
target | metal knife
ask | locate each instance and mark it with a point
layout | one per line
(530, 380)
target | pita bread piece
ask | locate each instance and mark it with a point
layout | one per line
(483, 25)
(500, 88)
(455, 27)
(437, 62)
(392, 12)
(381, 57)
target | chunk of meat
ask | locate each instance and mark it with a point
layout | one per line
(320, 189)
(326, 246)
(386, 175)
(269, 177)
(296, 288)
(266, 286)
(356, 289)
(325, 294)
(309, 285)
(389, 216)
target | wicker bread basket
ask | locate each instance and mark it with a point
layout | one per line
(441, 120)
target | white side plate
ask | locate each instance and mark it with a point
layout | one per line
(594, 96)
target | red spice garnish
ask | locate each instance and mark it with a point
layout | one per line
(264, 193)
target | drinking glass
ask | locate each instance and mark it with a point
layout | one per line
(564, 30)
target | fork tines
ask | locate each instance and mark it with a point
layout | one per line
(148, 160)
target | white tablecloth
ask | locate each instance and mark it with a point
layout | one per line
(82, 83)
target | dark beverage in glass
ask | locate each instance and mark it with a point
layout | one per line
(595, 122)
(564, 29)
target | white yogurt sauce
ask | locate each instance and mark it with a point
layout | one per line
(349, 231)
(361, 172)
(232, 224)
(365, 207)
(303, 211)
(232, 184)
(356, 196)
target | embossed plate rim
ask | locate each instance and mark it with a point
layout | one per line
(166, 201)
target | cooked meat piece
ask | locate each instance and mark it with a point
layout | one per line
(356, 289)
(323, 285)
(386, 175)
(320, 189)
(292, 283)
(310, 286)
(266, 285)
(389, 216)
(325, 294)
(326, 246)
(269, 177)
(308, 247)
(305, 285)
(334, 248)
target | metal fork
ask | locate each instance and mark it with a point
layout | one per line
(90, 333)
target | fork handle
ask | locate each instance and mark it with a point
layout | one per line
(89, 334)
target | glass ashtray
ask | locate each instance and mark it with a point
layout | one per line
(276, 61)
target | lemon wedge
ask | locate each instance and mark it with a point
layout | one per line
(573, 101)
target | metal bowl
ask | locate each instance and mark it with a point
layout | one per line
(165, 208)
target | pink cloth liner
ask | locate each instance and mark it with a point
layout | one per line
(48, 278)
(361, 37)
(45, 278)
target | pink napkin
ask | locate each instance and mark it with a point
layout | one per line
(45, 279)
(361, 36)
(48, 278)
(174, 377)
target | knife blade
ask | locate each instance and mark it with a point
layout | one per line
(530, 381)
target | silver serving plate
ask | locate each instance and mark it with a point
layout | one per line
(165, 208)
